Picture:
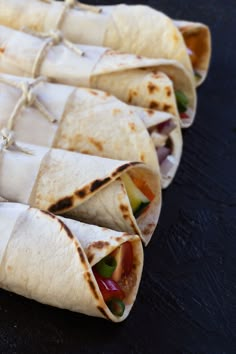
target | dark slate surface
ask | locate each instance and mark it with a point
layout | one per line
(187, 299)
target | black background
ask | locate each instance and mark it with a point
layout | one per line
(187, 298)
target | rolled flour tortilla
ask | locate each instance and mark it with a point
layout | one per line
(197, 38)
(50, 259)
(137, 29)
(87, 188)
(133, 79)
(91, 122)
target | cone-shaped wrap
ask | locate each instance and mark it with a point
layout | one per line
(197, 38)
(133, 79)
(88, 188)
(135, 29)
(91, 122)
(50, 259)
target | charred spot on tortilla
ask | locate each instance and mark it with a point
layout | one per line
(124, 167)
(118, 239)
(142, 157)
(2, 50)
(166, 107)
(99, 244)
(168, 91)
(116, 111)
(48, 213)
(124, 209)
(82, 192)
(103, 312)
(154, 105)
(90, 257)
(96, 143)
(62, 204)
(175, 37)
(132, 126)
(157, 75)
(98, 183)
(152, 88)
(150, 112)
(95, 93)
(86, 152)
(67, 230)
(81, 255)
(132, 94)
(87, 277)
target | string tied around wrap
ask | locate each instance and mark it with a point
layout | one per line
(81, 6)
(52, 38)
(74, 4)
(28, 98)
(7, 140)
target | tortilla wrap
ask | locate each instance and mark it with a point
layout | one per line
(88, 188)
(133, 79)
(88, 121)
(50, 259)
(197, 38)
(137, 29)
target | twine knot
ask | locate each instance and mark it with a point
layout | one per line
(28, 97)
(7, 137)
(56, 37)
(71, 3)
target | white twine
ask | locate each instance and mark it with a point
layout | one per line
(52, 38)
(28, 98)
(7, 140)
(72, 4)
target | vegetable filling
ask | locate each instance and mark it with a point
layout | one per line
(182, 104)
(160, 135)
(116, 278)
(139, 194)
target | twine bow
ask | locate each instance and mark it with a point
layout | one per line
(52, 38)
(28, 98)
(7, 140)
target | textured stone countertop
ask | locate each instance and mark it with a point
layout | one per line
(187, 298)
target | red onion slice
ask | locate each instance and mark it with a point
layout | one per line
(167, 165)
(162, 153)
(166, 127)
